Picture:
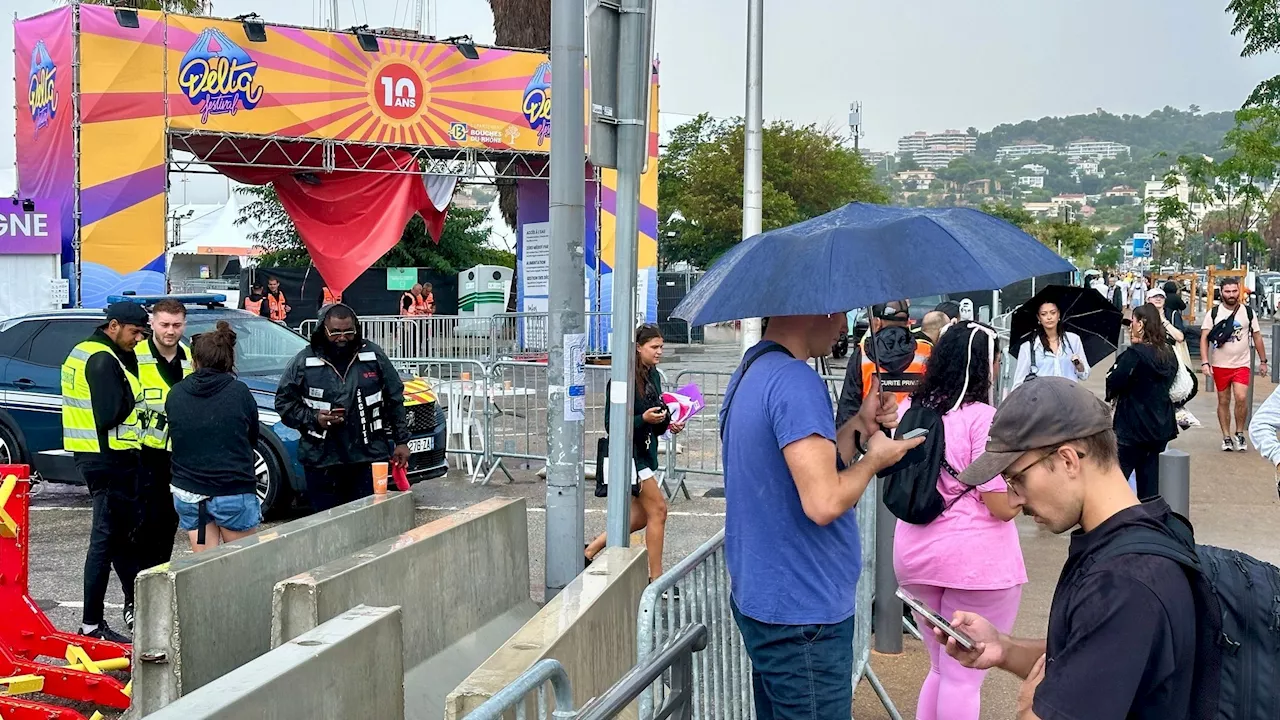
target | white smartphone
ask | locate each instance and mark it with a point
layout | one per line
(934, 618)
(913, 434)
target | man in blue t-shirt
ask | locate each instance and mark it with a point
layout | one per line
(791, 537)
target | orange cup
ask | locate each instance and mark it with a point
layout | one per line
(380, 478)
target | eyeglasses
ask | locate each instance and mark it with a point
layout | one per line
(1016, 479)
(337, 334)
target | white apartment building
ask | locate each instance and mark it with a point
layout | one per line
(1036, 169)
(1032, 181)
(951, 140)
(912, 143)
(937, 157)
(1008, 152)
(1096, 149)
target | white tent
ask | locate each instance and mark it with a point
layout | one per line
(206, 239)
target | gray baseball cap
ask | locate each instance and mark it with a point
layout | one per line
(1041, 413)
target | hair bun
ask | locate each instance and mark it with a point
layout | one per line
(224, 331)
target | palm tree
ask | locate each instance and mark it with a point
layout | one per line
(190, 7)
(519, 24)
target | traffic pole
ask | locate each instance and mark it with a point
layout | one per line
(565, 303)
(753, 160)
(633, 79)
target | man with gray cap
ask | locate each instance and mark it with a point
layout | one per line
(1122, 627)
(102, 425)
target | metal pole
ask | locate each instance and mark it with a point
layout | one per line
(753, 160)
(568, 215)
(633, 75)
(888, 608)
(1175, 481)
(1275, 353)
(333, 15)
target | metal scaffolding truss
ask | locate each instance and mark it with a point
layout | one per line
(325, 155)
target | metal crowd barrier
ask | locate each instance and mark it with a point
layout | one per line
(531, 686)
(696, 591)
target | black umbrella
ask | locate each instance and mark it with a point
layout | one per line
(1083, 311)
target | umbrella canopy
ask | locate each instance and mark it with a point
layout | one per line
(859, 255)
(1083, 311)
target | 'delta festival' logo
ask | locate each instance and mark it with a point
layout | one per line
(43, 96)
(537, 102)
(217, 76)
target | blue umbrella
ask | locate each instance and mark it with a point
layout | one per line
(860, 255)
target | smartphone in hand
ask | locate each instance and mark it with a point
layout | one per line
(934, 618)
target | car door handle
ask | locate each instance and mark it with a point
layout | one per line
(24, 383)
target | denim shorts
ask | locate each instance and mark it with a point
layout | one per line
(231, 512)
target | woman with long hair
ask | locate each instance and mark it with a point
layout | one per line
(213, 424)
(969, 556)
(650, 420)
(1052, 351)
(1138, 384)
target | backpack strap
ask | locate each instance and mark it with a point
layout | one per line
(746, 365)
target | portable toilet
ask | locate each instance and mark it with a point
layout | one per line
(483, 291)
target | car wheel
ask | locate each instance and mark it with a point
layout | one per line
(11, 450)
(271, 489)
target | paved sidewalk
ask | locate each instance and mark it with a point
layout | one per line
(1233, 504)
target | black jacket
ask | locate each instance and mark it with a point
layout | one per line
(112, 399)
(1139, 384)
(213, 424)
(644, 438)
(363, 381)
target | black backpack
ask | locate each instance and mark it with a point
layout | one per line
(1222, 330)
(911, 486)
(1238, 637)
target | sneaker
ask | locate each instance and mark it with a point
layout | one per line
(1241, 445)
(104, 632)
(1228, 444)
(128, 616)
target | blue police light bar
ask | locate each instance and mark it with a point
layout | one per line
(189, 299)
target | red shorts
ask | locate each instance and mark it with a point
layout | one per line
(1223, 377)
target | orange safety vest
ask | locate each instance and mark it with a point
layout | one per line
(418, 305)
(900, 384)
(277, 306)
(331, 297)
(253, 306)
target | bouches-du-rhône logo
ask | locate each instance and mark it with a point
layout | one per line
(43, 96)
(217, 76)
(537, 102)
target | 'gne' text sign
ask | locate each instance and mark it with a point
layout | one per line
(30, 228)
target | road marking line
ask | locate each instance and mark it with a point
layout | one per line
(59, 507)
(589, 511)
(78, 605)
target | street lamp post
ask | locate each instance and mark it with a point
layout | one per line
(753, 160)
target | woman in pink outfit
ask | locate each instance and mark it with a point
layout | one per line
(968, 558)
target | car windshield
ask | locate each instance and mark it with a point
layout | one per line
(262, 347)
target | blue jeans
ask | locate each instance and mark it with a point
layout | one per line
(799, 672)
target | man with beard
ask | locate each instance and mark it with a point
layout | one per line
(345, 397)
(889, 351)
(1235, 326)
(1122, 637)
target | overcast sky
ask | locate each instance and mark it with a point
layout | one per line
(915, 65)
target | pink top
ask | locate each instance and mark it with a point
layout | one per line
(966, 547)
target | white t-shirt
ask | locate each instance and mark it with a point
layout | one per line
(1235, 352)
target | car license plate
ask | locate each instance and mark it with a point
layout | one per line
(426, 444)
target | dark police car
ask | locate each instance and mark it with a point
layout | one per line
(33, 348)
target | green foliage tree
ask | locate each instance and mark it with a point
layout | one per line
(463, 243)
(1069, 239)
(1108, 257)
(907, 161)
(808, 171)
(1259, 22)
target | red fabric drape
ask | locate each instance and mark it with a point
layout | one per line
(347, 219)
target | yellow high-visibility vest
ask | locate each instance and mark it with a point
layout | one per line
(79, 432)
(154, 393)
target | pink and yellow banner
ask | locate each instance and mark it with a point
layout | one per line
(311, 83)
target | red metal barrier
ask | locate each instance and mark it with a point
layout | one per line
(12, 708)
(26, 632)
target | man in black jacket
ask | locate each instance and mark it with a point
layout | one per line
(102, 424)
(346, 398)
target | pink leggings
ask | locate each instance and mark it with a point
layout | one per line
(952, 691)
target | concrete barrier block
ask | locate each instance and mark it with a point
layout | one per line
(202, 616)
(462, 583)
(348, 667)
(590, 627)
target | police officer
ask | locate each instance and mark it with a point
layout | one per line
(163, 361)
(345, 397)
(102, 424)
(891, 351)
